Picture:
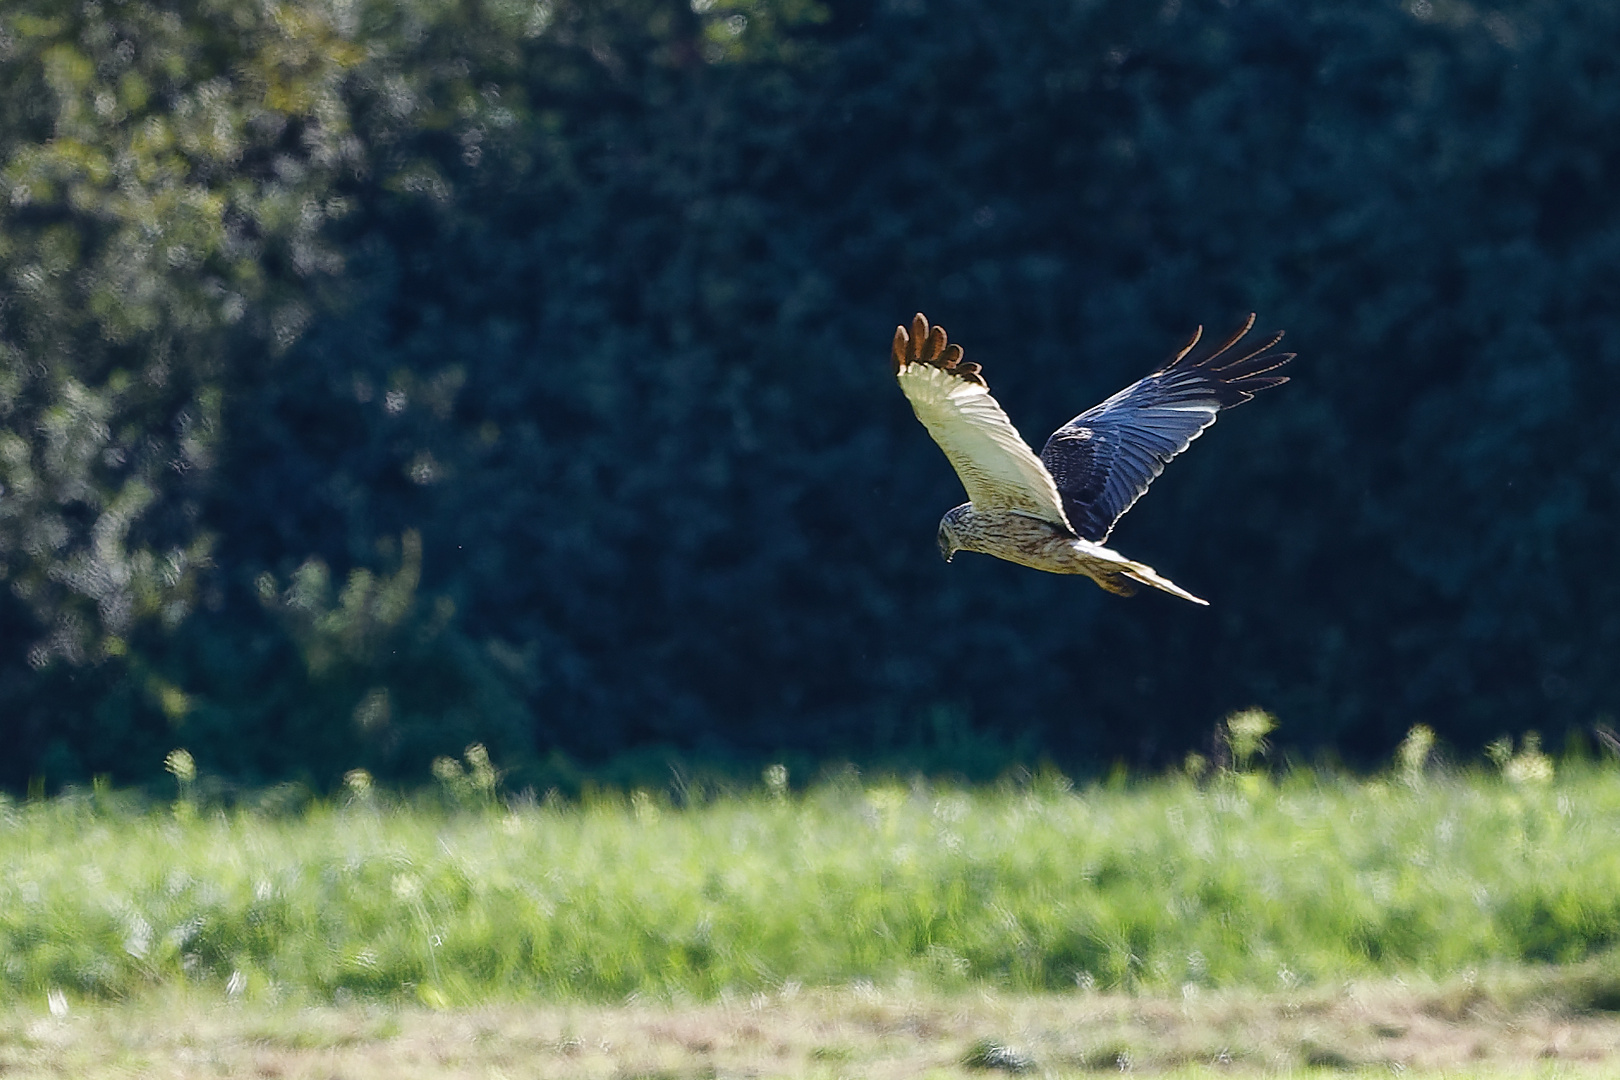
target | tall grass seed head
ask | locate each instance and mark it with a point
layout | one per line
(1413, 753)
(1246, 733)
(181, 765)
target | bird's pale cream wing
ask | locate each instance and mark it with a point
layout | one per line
(950, 397)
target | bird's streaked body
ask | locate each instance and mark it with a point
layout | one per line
(1053, 512)
(1043, 545)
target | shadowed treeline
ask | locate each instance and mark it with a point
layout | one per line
(375, 378)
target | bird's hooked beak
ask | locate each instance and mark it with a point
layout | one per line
(947, 549)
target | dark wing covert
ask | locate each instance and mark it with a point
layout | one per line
(1105, 458)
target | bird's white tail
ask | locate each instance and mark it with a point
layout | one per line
(1147, 576)
(1124, 573)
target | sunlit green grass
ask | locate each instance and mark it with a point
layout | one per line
(1241, 880)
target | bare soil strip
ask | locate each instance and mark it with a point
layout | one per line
(1554, 1022)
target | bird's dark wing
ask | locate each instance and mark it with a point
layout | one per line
(1105, 458)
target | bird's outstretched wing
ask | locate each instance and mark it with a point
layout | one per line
(1105, 458)
(953, 402)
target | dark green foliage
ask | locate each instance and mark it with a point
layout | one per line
(462, 371)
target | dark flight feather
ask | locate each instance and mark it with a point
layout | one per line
(1105, 458)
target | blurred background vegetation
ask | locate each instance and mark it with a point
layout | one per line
(377, 377)
(459, 893)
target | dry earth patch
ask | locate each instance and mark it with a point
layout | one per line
(1545, 1023)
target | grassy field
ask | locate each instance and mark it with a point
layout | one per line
(1236, 896)
(1145, 886)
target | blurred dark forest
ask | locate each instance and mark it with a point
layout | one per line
(379, 376)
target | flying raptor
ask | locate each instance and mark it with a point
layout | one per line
(1054, 512)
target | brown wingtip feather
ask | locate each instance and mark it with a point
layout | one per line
(1187, 348)
(1242, 369)
(1280, 358)
(1236, 337)
(926, 344)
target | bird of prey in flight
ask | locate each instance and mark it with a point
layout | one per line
(1054, 512)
